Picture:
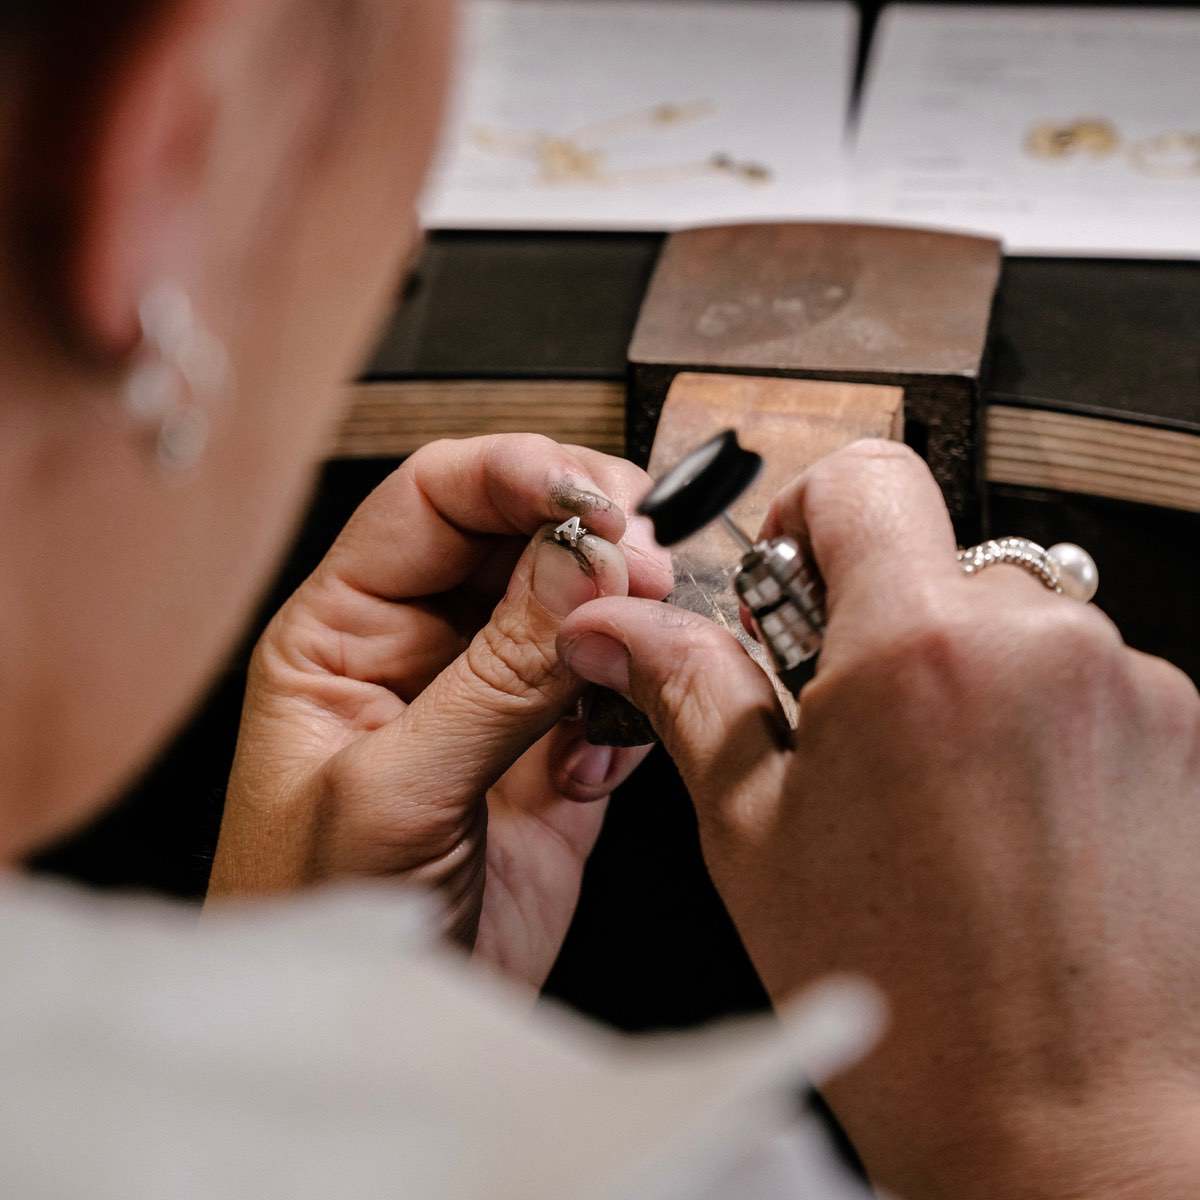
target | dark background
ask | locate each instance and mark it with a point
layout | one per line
(651, 946)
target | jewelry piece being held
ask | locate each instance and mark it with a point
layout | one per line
(1065, 568)
(571, 533)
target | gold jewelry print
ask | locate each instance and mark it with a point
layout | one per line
(585, 155)
(1092, 136)
(1168, 156)
(1165, 156)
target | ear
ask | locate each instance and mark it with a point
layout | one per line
(136, 181)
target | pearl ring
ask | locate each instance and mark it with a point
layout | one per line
(1065, 568)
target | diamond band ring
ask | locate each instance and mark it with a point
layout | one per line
(1065, 568)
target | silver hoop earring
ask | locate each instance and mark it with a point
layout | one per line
(181, 369)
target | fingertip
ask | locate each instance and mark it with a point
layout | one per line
(608, 565)
(599, 514)
(598, 658)
(651, 573)
(587, 766)
(573, 491)
(590, 773)
(651, 569)
(559, 575)
(528, 473)
(613, 640)
(873, 517)
(707, 699)
(619, 620)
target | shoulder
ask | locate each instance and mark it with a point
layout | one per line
(329, 1048)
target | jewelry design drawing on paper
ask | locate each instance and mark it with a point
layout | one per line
(1174, 155)
(586, 155)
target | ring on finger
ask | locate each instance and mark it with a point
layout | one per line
(1065, 568)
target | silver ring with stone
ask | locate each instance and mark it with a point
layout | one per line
(571, 533)
(1065, 568)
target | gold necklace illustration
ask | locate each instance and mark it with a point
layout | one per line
(1167, 156)
(581, 156)
(1173, 155)
(1093, 136)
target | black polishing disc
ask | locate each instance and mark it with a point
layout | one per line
(700, 488)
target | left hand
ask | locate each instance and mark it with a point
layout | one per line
(407, 713)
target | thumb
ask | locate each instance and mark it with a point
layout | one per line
(713, 707)
(430, 767)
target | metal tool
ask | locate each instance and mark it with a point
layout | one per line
(780, 588)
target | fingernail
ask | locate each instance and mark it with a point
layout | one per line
(571, 497)
(590, 765)
(562, 577)
(600, 659)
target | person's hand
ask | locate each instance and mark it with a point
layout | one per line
(407, 715)
(991, 808)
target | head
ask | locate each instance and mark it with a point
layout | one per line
(259, 162)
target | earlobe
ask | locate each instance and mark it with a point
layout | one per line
(136, 183)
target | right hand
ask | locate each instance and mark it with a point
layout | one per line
(991, 808)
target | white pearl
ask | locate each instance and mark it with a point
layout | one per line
(152, 390)
(1077, 570)
(183, 438)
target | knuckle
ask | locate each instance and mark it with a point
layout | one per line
(1054, 652)
(519, 449)
(1066, 631)
(835, 493)
(939, 657)
(432, 451)
(427, 464)
(683, 700)
(685, 695)
(632, 480)
(878, 450)
(511, 666)
(952, 662)
(347, 781)
(619, 469)
(1171, 694)
(682, 690)
(843, 469)
(939, 640)
(360, 824)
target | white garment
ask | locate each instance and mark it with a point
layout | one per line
(328, 1048)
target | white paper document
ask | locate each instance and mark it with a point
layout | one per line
(1061, 130)
(650, 114)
